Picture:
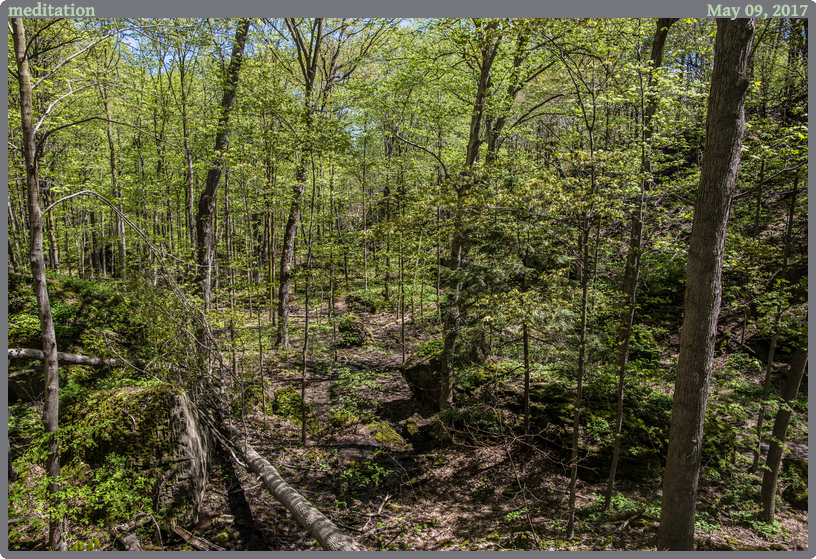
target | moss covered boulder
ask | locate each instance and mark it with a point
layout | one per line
(354, 332)
(288, 403)
(385, 434)
(158, 431)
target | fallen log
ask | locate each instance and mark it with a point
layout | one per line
(62, 358)
(327, 534)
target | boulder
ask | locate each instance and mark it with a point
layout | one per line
(357, 303)
(421, 374)
(354, 332)
(158, 431)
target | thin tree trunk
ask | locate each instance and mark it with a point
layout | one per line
(632, 270)
(780, 432)
(766, 385)
(209, 197)
(117, 192)
(56, 526)
(576, 421)
(451, 312)
(725, 125)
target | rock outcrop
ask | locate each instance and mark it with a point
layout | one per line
(158, 431)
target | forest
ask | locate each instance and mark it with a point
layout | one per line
(407, 284)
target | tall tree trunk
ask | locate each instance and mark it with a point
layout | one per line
(766, 385)
(632, 270)
(780, 431)
(287, 252)
(308, 59)
(576, 421)
(451, 311)
(725, 125)
(52, 234)
(56, 524)
(117, 192)
(209, 197)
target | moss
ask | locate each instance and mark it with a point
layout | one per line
(797, 497)
(385, 434)
(288, 403)
(135, 423)
(410, 430)
(353, 332)
(252, 400)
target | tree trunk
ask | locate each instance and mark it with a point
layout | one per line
(209, 197)
(766, 385)
(56, 540)
(117, 192)
(632, 270)
(576, 422)
(69, 358)
(327, 534)
(725, 125)
(287, 252)
(451, 311)
(780, 431)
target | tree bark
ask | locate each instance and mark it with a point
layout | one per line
(780, 431)
(56, 525)
(725, 125)
(327, 534)
(209, 197)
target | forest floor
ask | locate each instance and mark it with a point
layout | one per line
(502, 493)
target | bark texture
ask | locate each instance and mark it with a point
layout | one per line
(56, 541)
(725, 125)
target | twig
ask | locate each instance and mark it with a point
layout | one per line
(383, 503)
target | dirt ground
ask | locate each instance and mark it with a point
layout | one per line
(501, 494)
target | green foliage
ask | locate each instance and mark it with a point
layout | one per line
(111, 494)
(643, 346)
(431, 349)
(288, 403)
(363, 476)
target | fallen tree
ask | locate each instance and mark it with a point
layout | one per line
(63, 358)
(327, 534)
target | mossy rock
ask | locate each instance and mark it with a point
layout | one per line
(797, 497)
(287, 403)
(158, 432)
(354, 332)
(410, 430)
(385, 434)
(343, 418)
(421, 374)
(798, 467)
(362, 304)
